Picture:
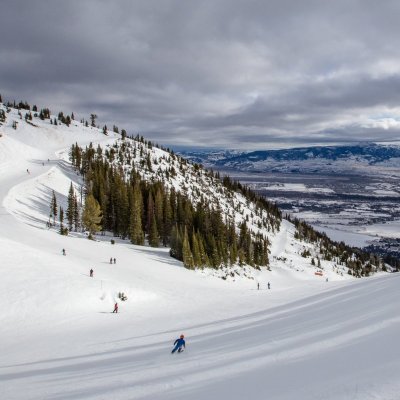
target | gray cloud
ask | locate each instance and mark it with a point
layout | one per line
(244, 74)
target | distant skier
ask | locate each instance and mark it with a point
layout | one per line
(28, 171)
(179, 345)
(258, 285)
(115, 308)
(63, 252)
(111, 260)
(91, 273)
(269, 285)
(115, 261)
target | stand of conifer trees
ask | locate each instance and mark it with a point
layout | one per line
(137, 209)
(360, 263)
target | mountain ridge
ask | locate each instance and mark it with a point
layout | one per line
(326, 158)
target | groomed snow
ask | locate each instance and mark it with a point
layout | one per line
(305, 338)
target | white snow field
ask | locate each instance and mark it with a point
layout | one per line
(305, 338)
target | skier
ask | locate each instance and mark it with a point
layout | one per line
(111, 260)
(28, 171)
(91, 273)
(115, 308)
(269, 286)
(258, 285)
(179, 345)
(63, 252)
(115, 261)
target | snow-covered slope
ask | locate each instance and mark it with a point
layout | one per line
(305, 338)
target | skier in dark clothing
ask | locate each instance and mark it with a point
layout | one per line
(269, 286)
(111, 260)
(91, 273)
(115, 308)
(258, 285)
(115, 261)
(179, 345)
(63, 252)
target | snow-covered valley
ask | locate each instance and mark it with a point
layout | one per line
(350, 192)
(307, 337)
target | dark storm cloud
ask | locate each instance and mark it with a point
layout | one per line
(219, 73)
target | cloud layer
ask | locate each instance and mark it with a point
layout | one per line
(234, 74)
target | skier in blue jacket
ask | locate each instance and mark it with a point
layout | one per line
(179, 345)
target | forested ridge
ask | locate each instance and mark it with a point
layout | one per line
(149, 194)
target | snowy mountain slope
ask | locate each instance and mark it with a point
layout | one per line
(370, 158)
(234, 204)
(304, 338)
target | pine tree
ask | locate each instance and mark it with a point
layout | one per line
(158, 212)
(62, 231)
(186, 252)
(53, 207)
(91, 216)
(167, 220)
(70, 207)
(135, 222)
(154, 240)
(150, 211)
(196, 251)
(205, 262)
(93, 120)
(76, 214)
(176, 243)
(233, 253)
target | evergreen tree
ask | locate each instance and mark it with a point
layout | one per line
(196, 250)
(150, 211)
(186, 252)
(176, 243)
(62, 231)
(159, 212)
(53, 207)
(93, 120)
(167, 220)
(70, 207)
(135, 223)
(76, 214)
(91, 216)
(204, 260)
(154, 240)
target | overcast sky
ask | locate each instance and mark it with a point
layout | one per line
(229, 74)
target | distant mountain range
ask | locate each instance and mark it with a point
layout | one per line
(304, 159)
